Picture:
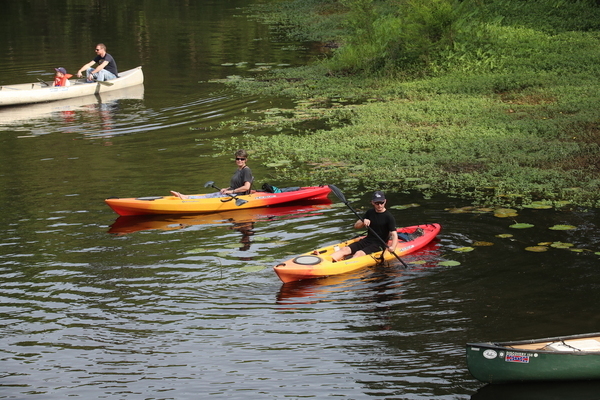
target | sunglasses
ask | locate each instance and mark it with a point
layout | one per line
(240, 159)
(378, 202)
(96, 49)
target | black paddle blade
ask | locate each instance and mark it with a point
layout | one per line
(240, 202)
(338, 193)
(209, 183)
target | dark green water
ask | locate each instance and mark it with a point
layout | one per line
(95, 306)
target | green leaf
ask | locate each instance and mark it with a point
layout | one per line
(537, 249)
(449, 263)
(463, 249)
(405, 206)
(538, 205)
(505, 213)
(561, 245)
(196, 251)
(253, 268)
(521, 226)
(562, 227)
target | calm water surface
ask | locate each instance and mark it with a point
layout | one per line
(95, 306)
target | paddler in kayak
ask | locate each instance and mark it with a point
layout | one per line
(380, 220)
(241, 181)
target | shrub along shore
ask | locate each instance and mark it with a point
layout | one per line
(495, 101)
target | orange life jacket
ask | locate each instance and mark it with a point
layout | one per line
(61, 81)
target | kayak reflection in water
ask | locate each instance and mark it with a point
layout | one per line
(247, 230)
(241, 181)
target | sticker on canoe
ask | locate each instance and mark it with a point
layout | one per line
(264, 197)
(517, 357)
(490, 354)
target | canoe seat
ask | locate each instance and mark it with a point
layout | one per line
(575, 345)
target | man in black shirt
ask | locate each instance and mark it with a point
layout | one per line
(379, 220)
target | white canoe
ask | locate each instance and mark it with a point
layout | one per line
(38, 92)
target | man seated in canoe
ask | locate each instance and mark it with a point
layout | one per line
(241, 181)
(106, 69)
(379, 220)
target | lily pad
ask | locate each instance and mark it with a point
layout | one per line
(562, 227)
(521, 226)
(278, 163)
(405, 206)
(505, 213)
(463, 249)
(196, 251)
(537, 249)
(504, 235)
(449, 263)
(460, 210)
(253, 268)
(561, 245)
(482, 244)
(418, 262)
(538, 205)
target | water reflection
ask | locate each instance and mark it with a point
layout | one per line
(131, 224)
(242, 221)
(381, 284)
(540, 391)
(65, 111)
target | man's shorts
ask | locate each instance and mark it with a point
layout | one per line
(366, 246)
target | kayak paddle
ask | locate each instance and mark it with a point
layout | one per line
(238, 201)
(340, 196)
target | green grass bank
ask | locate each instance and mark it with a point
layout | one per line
(494, 101)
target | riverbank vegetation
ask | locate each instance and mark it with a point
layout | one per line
(496, 101)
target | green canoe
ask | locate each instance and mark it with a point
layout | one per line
(564, 358)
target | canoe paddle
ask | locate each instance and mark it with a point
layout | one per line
(238, 201)
(340, 196)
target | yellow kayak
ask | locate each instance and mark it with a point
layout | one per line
(318, 263)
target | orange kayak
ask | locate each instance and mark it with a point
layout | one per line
(319, 264)
(175, 205)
